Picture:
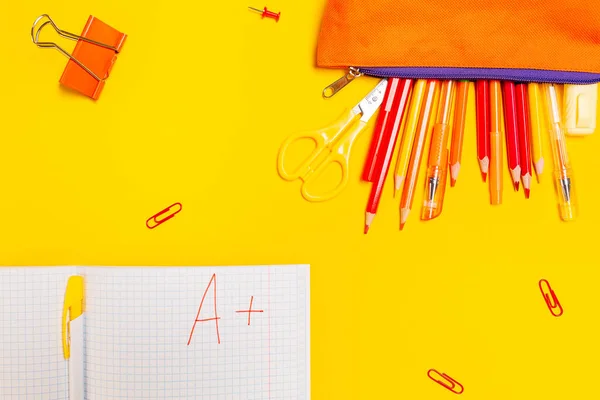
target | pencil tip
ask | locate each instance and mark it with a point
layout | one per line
(369, 217)
(484, 166)
(398, 183)
(403, 217)
(539, 167)
(526, 184)
(516, 177)
(454, 170)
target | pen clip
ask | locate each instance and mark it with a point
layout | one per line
(73, 307)
(550, 298)
(452, 385)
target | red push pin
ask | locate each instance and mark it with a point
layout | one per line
(266, 13)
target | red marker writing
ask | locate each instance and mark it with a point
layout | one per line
(213, 281)
(250, 310)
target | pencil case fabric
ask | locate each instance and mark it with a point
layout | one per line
(527, 40)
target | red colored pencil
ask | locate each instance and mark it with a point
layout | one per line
(511, 130)
(482, 96)
(379, 141)
(524, 136)
(393, 109)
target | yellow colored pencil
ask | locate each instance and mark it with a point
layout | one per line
(408, 137)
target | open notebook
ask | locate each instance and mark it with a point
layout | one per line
(145, 335)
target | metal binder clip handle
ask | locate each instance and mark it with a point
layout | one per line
(35, 37)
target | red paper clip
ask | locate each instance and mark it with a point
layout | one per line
(153, 221)
(550, 298)
(452, 384)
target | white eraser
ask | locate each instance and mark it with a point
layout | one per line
(580, 109)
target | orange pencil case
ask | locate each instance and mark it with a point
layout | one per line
(530, 40)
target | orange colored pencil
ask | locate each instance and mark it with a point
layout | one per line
(496, 143)
(416, 155)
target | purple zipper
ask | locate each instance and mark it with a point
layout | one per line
(505, 74)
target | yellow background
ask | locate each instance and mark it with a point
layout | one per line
(194, 112)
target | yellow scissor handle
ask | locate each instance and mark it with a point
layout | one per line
(340, 155)
(332, 158)
(324, 140)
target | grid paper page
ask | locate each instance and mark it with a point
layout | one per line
(32, 365)
(139, 322)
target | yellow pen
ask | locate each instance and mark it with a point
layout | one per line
(537, 127)
(563, 174)
(408, 137)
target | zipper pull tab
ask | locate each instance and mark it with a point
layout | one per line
(341, 83)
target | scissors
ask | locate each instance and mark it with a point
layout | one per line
(332, 146)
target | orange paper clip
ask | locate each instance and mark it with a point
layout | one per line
(446, 381)
(550, 298)
(166, 215)
(93, 57)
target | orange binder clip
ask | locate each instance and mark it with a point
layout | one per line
(93, 57)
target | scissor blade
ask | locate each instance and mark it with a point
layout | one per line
(371, 103)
